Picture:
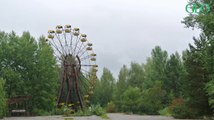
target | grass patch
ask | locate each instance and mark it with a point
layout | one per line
(68, 119)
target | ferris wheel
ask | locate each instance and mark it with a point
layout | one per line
(77, 63)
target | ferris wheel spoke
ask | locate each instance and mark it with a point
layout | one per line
(71, 48)
(87, 57)
(82, 53)
(65, 38)
(58, 38)
(80, 50)
(55, 47)
(89, 72)
(84, 65)
(77, 41)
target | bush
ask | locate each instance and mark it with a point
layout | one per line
(131, 100)
(2, 99)
(165, 112)
(97, 110)
(111, 108)
(41, 112)
(180, 110)
(92, 110)
(152, 99)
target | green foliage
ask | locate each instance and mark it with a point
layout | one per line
(135, 76)
(68, 118)
(152, 99)
(164, 112)
(2, 99)
(197, 77)
(131, 100)
(180, 110)
(92, 110)
(98, 110)
(29, 69)
(111, 107)
(199, 63)
(104, 88)
(41, 112)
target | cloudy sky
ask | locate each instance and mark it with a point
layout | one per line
(121, 30)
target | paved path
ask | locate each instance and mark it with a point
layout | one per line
(112, 116)
(119, 116)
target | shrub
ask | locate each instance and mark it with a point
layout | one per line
(111, 108)
(41, 112)
(152, 99)
(98, 110)
(92, 110)
(180, 110)
(131, 100)
(165, 112)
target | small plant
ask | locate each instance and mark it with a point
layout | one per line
(164, 112)
(68, 118)
(111, 107)
(92, 110)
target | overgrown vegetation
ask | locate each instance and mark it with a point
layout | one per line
(67, 111)
(2, 99)
(29, 69)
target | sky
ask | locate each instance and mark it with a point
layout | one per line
(122, 31)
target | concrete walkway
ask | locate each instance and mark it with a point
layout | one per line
(112, 116)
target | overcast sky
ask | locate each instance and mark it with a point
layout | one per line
(121, 30)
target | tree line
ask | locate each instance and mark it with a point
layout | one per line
(181, 85)
(27, 68)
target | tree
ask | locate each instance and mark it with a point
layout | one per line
(135, 75)
(202, 55)
(121, 86)
(175, 75)
(131, 100)
(29, 69)
(155, 67)
(46, 78)
(106, 87)
(3, 102)
(197, 77)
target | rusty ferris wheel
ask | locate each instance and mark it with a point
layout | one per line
(77, 63)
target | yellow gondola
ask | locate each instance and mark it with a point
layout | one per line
(50, 36)
(93, 54)
(67, 26)
(59, 27)
(76, 29)
(51, 31)
(89, 48)
(67, 30)
(93, 59)
(83, 39)
(76, 33)
(58, 31)
(83, 35)
(89, 44)
(95, 65)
